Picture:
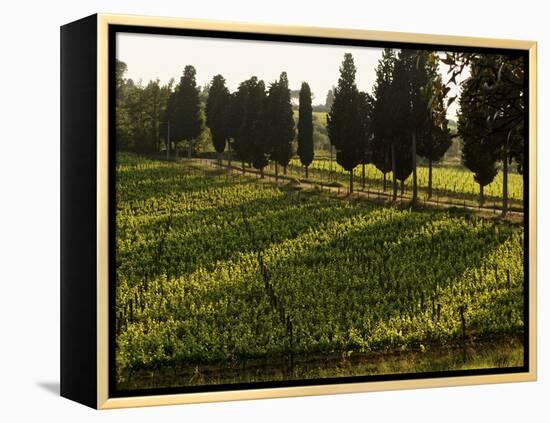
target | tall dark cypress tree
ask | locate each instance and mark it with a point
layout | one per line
(344, 125)
(305, 127)
(280, 122)
(478, 152)
(402, 100)
(256, 109)
(242, 141)
(413, 103)
(434, 138)
(366, 108)
(235, 113)
(419, 109)
(217, 113)
(383, 117)
(187, 121)
(251, 141)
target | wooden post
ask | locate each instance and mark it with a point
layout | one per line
(393, 169)
(414, 180)
(168, 142)
(505, 184)
(430, 166)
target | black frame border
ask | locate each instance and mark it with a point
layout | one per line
(113, 30)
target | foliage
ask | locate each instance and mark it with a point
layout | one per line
(404, 100)
(330, 97)
(455, 182)
(478, 154)
(139, 112)
(279, 121)
(366, 110)
(405, 118)
(383, 115)
(344, 121)
(250, 144)
(353, 277)
(186, 117)
(305, 126)
(496, 88)
(435, 138)
(217, 112)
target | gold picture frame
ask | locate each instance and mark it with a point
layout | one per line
(99, 220)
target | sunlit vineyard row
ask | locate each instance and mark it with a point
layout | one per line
(447, 181)
(214, 266)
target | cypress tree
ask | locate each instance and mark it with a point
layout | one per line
(305, 127)
(252, 145)
(235, 112)
(402, 145)
(344, 125)
(280, 123)
(382, 116)
(366, 107)
(242, 143)
(478, 152)
(217, 113)
(288, 131)
(434, 138)
(187, 121)
(413, 82)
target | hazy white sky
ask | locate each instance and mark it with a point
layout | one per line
(164, 56)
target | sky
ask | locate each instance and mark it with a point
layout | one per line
(164, 57)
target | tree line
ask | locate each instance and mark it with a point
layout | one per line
(405, 117)
(256, 122)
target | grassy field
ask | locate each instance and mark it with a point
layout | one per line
(218, 270)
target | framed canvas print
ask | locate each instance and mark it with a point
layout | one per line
(254, 211)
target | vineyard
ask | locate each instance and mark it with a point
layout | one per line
(449, 182)
(215, 268)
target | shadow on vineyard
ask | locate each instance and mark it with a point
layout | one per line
(226, 278)
(202, 242)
